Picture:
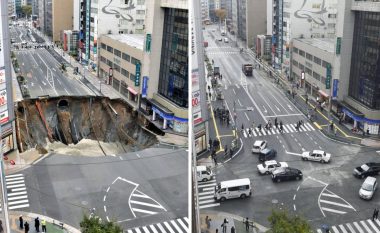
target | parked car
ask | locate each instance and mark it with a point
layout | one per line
(286, 173)
(367, 169)
(220, 39)
(368, 188)
(258, 146)
(269, 166)
(267, 154)
(226, 40)
(204, 173)
(316, 155)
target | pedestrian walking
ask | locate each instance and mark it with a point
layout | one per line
(1, 227)
(231, 153)
(221, 77)
(232, 229)
(281, 128)
(307, 99)
(21, 220)
(242, 127)
(249, 132)
(26, 227)
(209, 88)
(246, 224)
(375, 211)
(275, 121)
(224, 226)
(367, 130)
(37, 224)
(210, 143)
(43, 224)
(259, 127)
(335, 131)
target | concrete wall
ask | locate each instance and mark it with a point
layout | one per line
(62, 19)
(76, 15)
(255, 20)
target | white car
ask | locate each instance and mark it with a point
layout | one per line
(316, 155)
(220, 39)
(368, 188)
(226, 40)
(269, 166)
(258, 146)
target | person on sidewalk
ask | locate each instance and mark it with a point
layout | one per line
(37, 224)
(26, 227)
(224, 225)
(43, 225)
(375, 214)
(232, 229)
(246, 224)
(21, 220)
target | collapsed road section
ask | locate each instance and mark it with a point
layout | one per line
(74, 120)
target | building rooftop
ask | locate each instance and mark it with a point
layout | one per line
(133, 40)
(326, 44)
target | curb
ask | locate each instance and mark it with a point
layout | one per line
(67, 227)
(28, 165)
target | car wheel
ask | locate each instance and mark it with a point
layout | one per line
(222, 199)
(204, 179)
(278, 180)
(298, 178)
(243, 196)
(362, 176)
(267, 172)
(322, 161)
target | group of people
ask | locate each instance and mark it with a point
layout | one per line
(223, 115)
(37, 223)
(268, 126)
(224, 225)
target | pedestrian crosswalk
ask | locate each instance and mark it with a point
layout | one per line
(206, 194)
(287, 128)
(364, 226)
(179, 225)
(331, 203)
(16, 192)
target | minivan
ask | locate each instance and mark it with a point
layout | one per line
(240, 188)
(204, 173)
(368, 188)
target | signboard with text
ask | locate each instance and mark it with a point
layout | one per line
(144, 91)
(138, 73)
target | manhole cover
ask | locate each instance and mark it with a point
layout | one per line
(274, 201)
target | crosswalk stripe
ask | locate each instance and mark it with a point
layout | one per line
(138, 230)
(168, 227)
(253, 132)
(182, 224)
(176, 226)
(358, 227)
(140, 195)
(319, 231)
(335, 203)
(206, 185)
(160, 227)
(17, 202)
(15, 182)
(335, 229)
(292, 126)
(304, 128)
(312, 128)
(15, 175)
(330, 195)
(17, 198)
(15, 186)
(18, 189)
(207, 201)
(268, 132)
(285, 129)
(373, 225)
(289, 127)
(332, 210)
(205, 193)
(351, 228)
(12, 179)
(209, 205)
(263, 132)
(205, 197)
(245, 135)
(365, 226)
(146, 230)
(18, 206)
(307, 127)
(153, 229)
(343, 229)
(16, 193)
(207, 182)
(146, 204)
(258, 132)
(130, 231)
(377, 221)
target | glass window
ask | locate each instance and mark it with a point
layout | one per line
(109, 63)
(109, 49)
(140, 12)
(140, 2)
(132, 77)
(317, 60)
(324, 63)
(116, 67)
(295, 50)
(302, 67)
(117, 52)
(295, 63)
(135, 61)
(125, 73)
(103, 46)
(309, 56)
(301, 53)
(126, 57)
(316, 76)
(308, 71)
(103, 59)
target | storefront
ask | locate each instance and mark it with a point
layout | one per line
(161, 114)
(133, 94)
(200, 139)
(7, 139)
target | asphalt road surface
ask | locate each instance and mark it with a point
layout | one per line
(134, 189)
(327, 194)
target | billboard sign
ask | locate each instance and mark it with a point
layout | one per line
(137, 75)
(144, 91)
(335, 88)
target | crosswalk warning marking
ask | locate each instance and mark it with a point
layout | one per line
(307, 127)
(350, 227)
(205, 193)
(207, 189)
(343, 229)
(285, 129)
(358, 227)
(176, 226)
(263, 132)
(254, 132)
(290, 128)
(160, 227)
(182, 224)
(268, 132)
(335, 203)
(168, 226)
(373, 225)
(365, 226)
(335, 229)
(206, 185)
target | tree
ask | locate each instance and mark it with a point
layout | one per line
(27, 10)
(283, 222)
(221, 14)
(95, 225)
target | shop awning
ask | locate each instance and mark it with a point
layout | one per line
(161, 110)
(130, 89)
(324, 94)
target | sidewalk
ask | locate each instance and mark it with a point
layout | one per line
(52, 225)
(217, 219)
(22, 160)
(319, 117)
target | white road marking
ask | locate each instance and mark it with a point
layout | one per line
(15, 175)
(358, 227)
(16, 193)
(143, 211)
(292, 153)
(209, 205)
(169, 227)
(343, 229)
(18, 189)
(146, 204)
(137, 155)
(17, 198)
(373, 225)
(18, 206)
(239, 102)
(335, 203)
(333, 210)
(246, 116)
(365, 226)
(350, 227)
(234, 91)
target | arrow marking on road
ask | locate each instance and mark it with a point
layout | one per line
(265, 110)
(239, 102)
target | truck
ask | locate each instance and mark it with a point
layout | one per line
(247, 69)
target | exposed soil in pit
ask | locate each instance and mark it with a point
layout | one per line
(80, 126)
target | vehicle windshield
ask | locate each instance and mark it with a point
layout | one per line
(208, 170)
(218, 187)
(367, 187)
(365, 167)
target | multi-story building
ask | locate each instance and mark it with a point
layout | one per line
(251, 20)
(103, 17)
(205, 11)
(11, 9)
(298, 19)
(18, 4)
(70, 41)
(121, 58)
(166, 65)
(211, 8)
(264, 46)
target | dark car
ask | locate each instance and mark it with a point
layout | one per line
(367, 169)
(286, 173)
(267, 154)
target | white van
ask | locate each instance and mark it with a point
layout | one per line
(240, 188)
(204, 173)
(368, 188)
(226, 40)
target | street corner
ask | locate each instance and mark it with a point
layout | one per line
(14, 224)
(124, 201)
(210, 222)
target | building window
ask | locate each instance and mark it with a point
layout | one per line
(134, 61)
(132, 77)
(139, 21)
(316, 76)
(301, 53)
(324, 63)
(331, 25)
(125, 73)
(109, 49)
(103, 46)
(308, 71)
(109, 63)
(103, 59)
(323, 79)
(309, 56)
(126, 57)
(173, 78)
(116, 67)
(140, 2)
(317, 60)
(295, 63)
(302, 67)
(295, 50)
(117, 52)
(140, 12)
(332, 16)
